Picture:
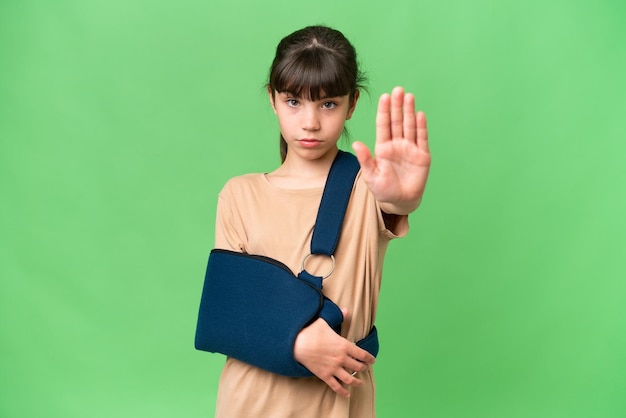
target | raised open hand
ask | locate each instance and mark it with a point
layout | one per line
(397, 173)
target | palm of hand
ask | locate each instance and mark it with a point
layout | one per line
(399, 171)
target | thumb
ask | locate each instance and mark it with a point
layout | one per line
(364, 156)
(344, 312)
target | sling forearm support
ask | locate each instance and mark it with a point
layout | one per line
(267, 308)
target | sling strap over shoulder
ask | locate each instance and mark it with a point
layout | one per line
(334, 203)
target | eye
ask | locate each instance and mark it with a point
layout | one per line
(292, 102)
(329, 105)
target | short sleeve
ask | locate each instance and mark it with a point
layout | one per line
(393, 226)
(229, 227)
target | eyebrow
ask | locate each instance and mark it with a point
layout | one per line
(299, 96)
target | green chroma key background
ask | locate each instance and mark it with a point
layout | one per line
(120, 121)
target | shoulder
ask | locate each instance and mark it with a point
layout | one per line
(361, 190)
(245, 182)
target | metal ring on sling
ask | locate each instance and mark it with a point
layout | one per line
(332, 257)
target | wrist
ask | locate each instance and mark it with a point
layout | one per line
(400, 208)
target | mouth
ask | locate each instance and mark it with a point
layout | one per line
(309, 142)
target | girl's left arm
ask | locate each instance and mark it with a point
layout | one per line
(398, 172)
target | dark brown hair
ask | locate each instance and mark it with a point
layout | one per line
(313, 62)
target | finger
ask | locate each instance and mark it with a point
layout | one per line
(355, 366)
(422, 130)
(397, 99)
(410, 121)
(383, 130)
(336, 386)
(347, 378)
(361, 355)
(363, 154)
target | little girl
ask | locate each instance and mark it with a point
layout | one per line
(313, 89)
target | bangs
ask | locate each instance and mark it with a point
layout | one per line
(312, 74)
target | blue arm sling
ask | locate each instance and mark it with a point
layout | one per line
(253, 307)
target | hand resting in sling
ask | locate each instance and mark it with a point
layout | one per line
(331, 357)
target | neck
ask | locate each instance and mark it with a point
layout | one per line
(301, 167)
(298, 172)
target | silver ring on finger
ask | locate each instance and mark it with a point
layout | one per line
(353, 373)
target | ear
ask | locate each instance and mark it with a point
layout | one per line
(270, 93)
(353, 104)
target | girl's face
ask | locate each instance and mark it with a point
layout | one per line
(311, 128)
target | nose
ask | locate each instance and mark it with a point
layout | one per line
(310, 119)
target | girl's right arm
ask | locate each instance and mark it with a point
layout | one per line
(331, 357)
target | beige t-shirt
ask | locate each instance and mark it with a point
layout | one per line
(256, 217)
